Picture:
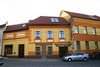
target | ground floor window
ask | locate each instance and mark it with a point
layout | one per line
(38, 50)
(8, 49)
(92, 45)
(98, 44)
(49, 50)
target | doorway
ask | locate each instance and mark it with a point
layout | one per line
(63, 51)
(21, 51)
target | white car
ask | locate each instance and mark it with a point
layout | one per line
(76, 56)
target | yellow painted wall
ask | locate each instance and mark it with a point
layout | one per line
(43, 33)
(28, 39)
(15, 43)
(16, 38)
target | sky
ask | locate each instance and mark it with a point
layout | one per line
(21, 11)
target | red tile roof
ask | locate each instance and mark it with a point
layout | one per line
(46, 20)
(40, 21)
(79, 15)
(17, 27)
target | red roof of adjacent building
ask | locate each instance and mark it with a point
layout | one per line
(17, 27)
(79, 15)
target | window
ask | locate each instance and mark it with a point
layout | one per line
(82, 30)
(75, 29)
(97, 31)
(78, 45)
(8, 49)
(83, 43)
(9, 35)
(91, 30)
(98, 44)
(37, 34)
(38, 50)
(87, 45)
(92, 44)
(50, 35)
(49, 50)
(61, 34)
(54, 19)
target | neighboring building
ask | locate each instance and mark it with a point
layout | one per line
(2, 29)
(85, 31)
(42, 37)
(15, 40)
(53, 37)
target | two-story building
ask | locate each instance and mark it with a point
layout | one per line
(43, 37)
(15, 40)
(85, 31)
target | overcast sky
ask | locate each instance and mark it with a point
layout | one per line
(20, 11)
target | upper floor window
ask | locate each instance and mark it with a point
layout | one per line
(50, 35)
(9, 35)
(75, 29)
(37, 34)
(91, 30)
(97, 31)
(82, 30)
(61, 34)
(54, 19)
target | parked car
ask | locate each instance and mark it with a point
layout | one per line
(76, 56)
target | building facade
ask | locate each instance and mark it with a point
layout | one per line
(53, 37)
(85, 31)
(40, 38)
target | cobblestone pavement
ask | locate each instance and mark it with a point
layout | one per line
(48, 63)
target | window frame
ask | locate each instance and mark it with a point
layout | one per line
(49, 53)
(37, 34)
(50, 34)
(61, 34)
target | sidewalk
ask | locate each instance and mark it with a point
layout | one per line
(31, 59)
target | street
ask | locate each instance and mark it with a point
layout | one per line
(48, 63)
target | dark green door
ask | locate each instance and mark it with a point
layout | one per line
(63, 51)
(21, 50)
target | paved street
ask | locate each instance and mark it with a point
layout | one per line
(48, 63)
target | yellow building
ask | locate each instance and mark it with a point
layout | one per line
(42, 37)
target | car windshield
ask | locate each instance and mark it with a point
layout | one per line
(77, 54)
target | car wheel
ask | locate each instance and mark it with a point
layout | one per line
(69, 59)
(85, 59)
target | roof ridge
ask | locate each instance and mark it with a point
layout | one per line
(81, 15)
